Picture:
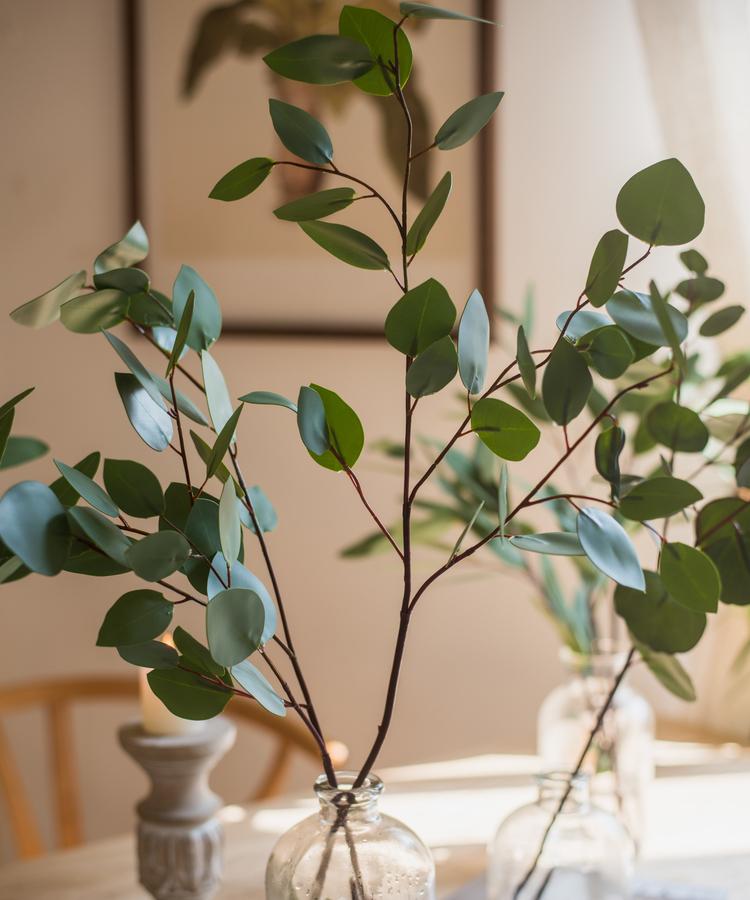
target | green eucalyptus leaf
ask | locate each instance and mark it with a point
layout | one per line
(677, 427)
(129, 281)
(690, 577)
(670, 673)
(347, 244)
(221, 445)
(34, 527)
(635, 314)
(19, 450)
(428, 215)
(316, 206)
(177, 507)
(257, 685)
(150, 655)
(345, 433)
(609, 445)
(606, 267)
(64, 491)
(128, 251)
(301, 133)
(205, 326)
(661, 205)
(562, 543)
(321, 59)
(85, 561)
(722, 320)
(581, 322)
(473, 343)
(658, 498)
(375, 31)
(187, 695)
(45, 309)
(269, 398)
(428, 11)
(702, 289)
(150, 420)
(202, 532)
(94, 312)
(658, 621)
(195, 655)
(607, 545)
(608, 351)
(88, 489)
(240, 577)
(264, 511)
(6, 424)
(433, 369)
(230, 529)
(150, 308)
(526, 365)
(234, 625)
(662, 311)
(204, 450)
(141, 373)
(136, 617)
(311, 421)
(158, 555)
(101, 532)
(242, 180)
(505, 430)
(13, 566)
(133, 487)
(694, 261)
(423, 315)
(181, 335)
(566, 384)
(184, 403)
(722, 530)
(469, 119)
(217, 394)
(9, 405)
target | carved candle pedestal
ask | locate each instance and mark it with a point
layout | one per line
(179, 838)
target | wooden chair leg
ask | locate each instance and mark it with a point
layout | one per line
(24, 828)
(274, 779)
(70, 832)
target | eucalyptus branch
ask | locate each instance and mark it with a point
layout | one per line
(144, 332)
(378, 521)
(185, 596)
(722, 522)
(183, 451)
(548, 497)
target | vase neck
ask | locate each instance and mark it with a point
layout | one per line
(605, 660)
(553, 787)
(345, 803)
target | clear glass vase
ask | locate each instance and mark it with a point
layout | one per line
(349, 850)
(587, 854)
(621, 761)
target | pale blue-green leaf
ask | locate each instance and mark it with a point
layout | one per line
(473, 343)
(88, 489)
(257, 685)
(311, 421)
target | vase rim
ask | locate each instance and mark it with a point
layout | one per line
(345, 794)
(602, 649)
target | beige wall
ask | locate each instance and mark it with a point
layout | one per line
(479, 658)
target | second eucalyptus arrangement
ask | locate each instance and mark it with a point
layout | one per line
(200, 526)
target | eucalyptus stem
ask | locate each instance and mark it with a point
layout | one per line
(183, 452)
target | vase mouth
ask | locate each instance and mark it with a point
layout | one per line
(345, 795)
(604, 655)
(554, 785)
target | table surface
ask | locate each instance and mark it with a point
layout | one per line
(698, 829)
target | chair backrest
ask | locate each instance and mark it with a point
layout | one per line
(56, 697)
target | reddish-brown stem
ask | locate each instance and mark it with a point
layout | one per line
(702, 538)
(150, 338)
(358, 488)
(183, 451)
(546, 499)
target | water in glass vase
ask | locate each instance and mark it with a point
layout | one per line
(349, 850)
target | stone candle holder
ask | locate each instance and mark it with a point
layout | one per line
(179, 837)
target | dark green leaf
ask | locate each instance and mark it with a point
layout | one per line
(101, 532)
(526, 365)
(606, 267)
(656, 619)
(240, 577)
(88, 489)
(181, 335)
(184, 404)
(177, 507)
(473, 343)
(19, 450)
(195, 655)
(722, 531)
(34, 527)
(662, 312)
(694, 261)
(701, 289)
(6, 423)
(375, 31)
(205, 326)
(221, 445)
(507, 432)
(151, 308)
(234, 625)
(202, 527)
(347, 244)
(321, 59)
(45, 309)
(230, 529)
(658, 498)
(433, 369)
(311, 421)
(635, 314)
(133, 487)
(301, 133)
(136, 617)
(427, 11)
(422, 316)
(257, 685)
(609, 548)
(158, 555)
(151, 421)
(566, 384)
(661, 205)
(129, 281)
(345, 433)
(94, 312)
(141, 373)
(428, 215)
(150, 655)
(722, 320)
(242, 180)
(187, 695)
(690, 577)
(269, 398)
(85, 561)
(670, 673)
(467, 120)
(562, 543)
(204, 451)
(13, 402)
(609, 445)
(677, 427)
(129, 250)
(316, 206)
(608, 351)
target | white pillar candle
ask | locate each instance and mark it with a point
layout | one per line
(155, 717)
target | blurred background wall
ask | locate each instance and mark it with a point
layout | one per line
(584, 109)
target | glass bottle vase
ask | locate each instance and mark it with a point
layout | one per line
(349, 850)
(621, 761)
(586, 854)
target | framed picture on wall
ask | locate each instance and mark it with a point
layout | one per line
(200, 95)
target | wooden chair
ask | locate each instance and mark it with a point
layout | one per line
(57, 696)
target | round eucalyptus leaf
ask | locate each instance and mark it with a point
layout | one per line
(661, 205)
(88, 489)
(269, 398)
(473, 343)
(582, 321)
(608, 547)
(428, 215)
(301, 133)
(230, 529)
(505, 430)
(552, 543)
(701, 289)
(375, 31)
(635, 314)
(657, 620)
(150, 308)
(150, 655)
(101, 532)
(311, 421)
(151, 421)
(722, 320)
(667, 669)
(422, 316)
(264, 511)
(242, 180)
(433, 369)
(677, 427)
(315, 206)
(258, 686)
(722, 531)
(345, 433)
(136, 617)
(129, 281)
(234, 625)
(467, 121)
(694, 261)
(205, 326)
(19, 450)
(94, 312)
(347, 244)
(45, 309)
(658, 498)
(240, 577)
(158, 555)
(690, 577)
(606, 267)
(608, 351)
(133, 487)
(609, 445)
(128, 251)
(202, 527)
(321, 59)
(195, 655)
(83, 560)
(34, 527)
(566, 384)
(187, 695)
